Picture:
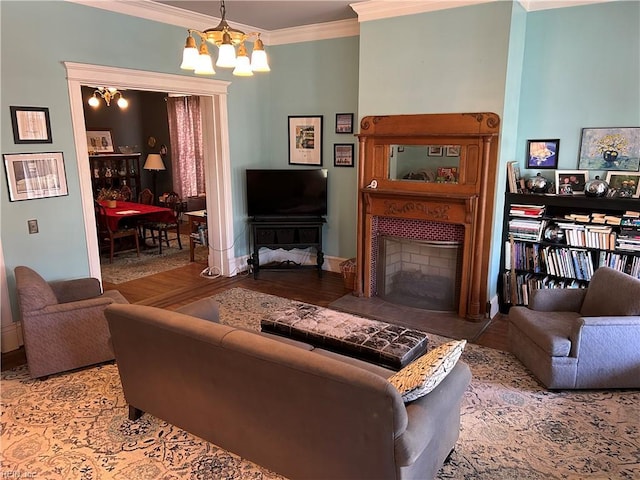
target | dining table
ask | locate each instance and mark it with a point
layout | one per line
(123, 210)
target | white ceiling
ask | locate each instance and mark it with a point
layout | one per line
(271, 15)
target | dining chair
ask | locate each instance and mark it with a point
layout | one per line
(146, 197)
(126, 194)
(174, 202)
(108, 237)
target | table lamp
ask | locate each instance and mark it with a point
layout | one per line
(155, 164)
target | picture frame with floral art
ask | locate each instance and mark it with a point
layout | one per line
(624, 184)
(543, 154)
(571, 181)
(610, 149)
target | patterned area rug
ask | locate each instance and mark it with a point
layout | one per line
(128, 266)
(75, 426)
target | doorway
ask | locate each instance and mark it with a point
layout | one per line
(216, 149)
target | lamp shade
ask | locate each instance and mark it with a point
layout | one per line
(154, 162)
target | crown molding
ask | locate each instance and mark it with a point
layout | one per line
(379, 9)
(318, 31)
(159, 12)
(535, 5)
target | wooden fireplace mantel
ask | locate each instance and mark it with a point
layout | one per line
(469, 202)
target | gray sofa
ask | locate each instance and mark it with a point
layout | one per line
(297, 410)
(581, 338)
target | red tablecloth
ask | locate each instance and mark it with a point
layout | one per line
(132, 209)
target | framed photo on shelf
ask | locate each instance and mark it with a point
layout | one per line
(344, 122)
(305, 140)
(571, 182)
(343, 154)
(31, 124)
(542, 153)
(610, 149)
(626, 182)
(35, 175)
(99, 141)
(435, 150)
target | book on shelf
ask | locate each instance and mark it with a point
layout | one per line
(513, 177)
(531, 211)
(525, 229)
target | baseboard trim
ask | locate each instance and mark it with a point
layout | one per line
(494, 306)
(11, 337)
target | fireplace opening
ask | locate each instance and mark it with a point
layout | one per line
(419, 273)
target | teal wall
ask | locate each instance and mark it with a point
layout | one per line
(546, 73)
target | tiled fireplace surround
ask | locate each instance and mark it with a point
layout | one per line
(411, 230)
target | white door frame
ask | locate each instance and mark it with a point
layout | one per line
(215, 143)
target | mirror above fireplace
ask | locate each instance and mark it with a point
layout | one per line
(424, 163)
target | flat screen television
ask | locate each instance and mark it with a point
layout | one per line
(287, 193)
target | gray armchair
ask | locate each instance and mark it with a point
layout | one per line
(63, 323)
(581, 338)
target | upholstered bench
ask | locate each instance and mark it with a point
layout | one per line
(378, 342)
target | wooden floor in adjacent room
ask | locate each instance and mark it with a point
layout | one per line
(185, 284)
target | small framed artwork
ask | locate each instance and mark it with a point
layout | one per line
(452, 151)
(344, 122)
(35, 175)
(343, 154)
(542, 153)
(610, 149)
(31, 125)
(305, 140)
(571, 182)
(624, 184)
(435, 150)
(99, 141)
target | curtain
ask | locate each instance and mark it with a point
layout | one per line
(185, 131)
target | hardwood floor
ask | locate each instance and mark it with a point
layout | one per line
(176, 287)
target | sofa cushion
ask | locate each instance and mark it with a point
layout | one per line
(551, 331)
(611, 293)
(34, 291)
(423, 375)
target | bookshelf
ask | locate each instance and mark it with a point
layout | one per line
(558, 241)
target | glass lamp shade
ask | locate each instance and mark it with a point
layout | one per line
(226, 56)
(204, 66)
(94, 102)
(243, 67)
(154, 162)
(189, 58)
(123, 102)
(259, 61)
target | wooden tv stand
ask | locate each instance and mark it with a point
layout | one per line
(285, 233)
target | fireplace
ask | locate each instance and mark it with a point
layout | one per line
(419, 273)
(414, 204)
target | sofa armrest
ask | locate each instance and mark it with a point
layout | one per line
(77, 289)
(557, 299)
(608, 353)
(100, 302)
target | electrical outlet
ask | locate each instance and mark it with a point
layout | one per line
(33, 226)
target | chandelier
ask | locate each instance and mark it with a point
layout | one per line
(226, 39)
(108, 94)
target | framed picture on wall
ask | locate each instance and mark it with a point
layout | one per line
(35, 175)
(435, 150)
(542, 153)
(344, 122)
(305, 140)
(343, 154)
(99, 141)
(31, 125)
(610, 149)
